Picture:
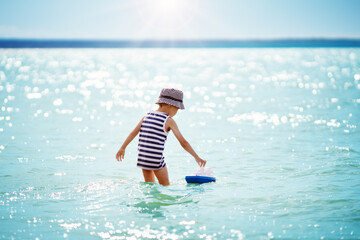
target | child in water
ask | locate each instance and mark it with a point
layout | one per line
(154, 128)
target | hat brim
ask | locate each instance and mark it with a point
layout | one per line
(174, 103)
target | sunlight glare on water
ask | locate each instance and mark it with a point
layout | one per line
(279, 128)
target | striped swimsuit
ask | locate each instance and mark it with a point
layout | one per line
(152, 141)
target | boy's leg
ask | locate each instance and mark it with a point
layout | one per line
(162, 176)
(148, 175)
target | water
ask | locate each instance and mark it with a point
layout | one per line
(279, 128)
(302, 43)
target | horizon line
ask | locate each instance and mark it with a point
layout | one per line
(177, 43)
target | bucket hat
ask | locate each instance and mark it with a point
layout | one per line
(172, 97)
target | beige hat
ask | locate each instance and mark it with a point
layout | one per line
(172, 97)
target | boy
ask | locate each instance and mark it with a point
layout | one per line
(154, 128)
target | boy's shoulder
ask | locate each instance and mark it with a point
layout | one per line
(170, 121)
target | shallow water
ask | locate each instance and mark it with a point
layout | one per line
(279, 128)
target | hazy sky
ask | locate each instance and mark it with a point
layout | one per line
(179, 19)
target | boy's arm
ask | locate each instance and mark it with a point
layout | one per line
(185, 144)
(120, 154)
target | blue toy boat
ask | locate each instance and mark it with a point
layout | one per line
(199, 179)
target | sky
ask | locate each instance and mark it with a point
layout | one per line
(179, 19)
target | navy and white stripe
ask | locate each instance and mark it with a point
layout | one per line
(152, 139)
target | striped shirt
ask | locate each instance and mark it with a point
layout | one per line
(152, 141)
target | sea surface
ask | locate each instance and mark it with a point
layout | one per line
(280, 128)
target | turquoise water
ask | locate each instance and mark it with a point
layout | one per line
(279, 128)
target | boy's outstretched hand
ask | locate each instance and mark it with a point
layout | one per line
(201, 162)
(120, 155)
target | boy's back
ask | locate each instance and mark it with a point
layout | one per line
(152, 141)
